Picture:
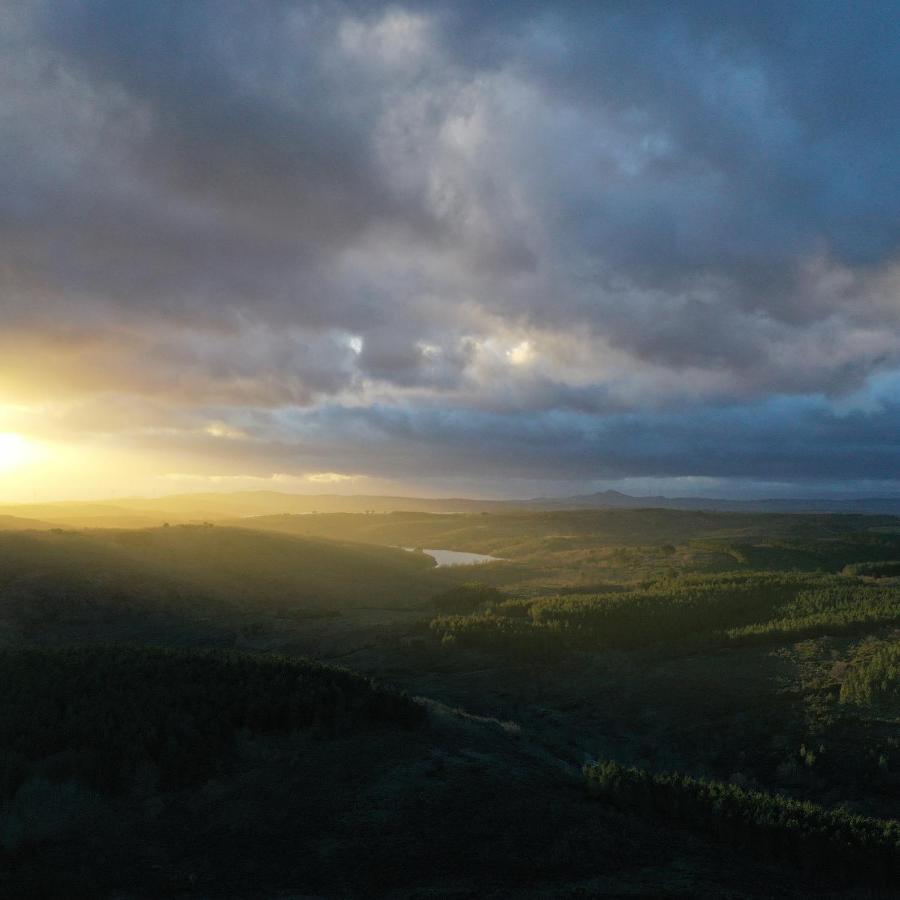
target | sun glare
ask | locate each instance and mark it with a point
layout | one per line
(14, 451)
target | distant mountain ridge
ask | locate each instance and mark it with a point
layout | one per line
(147, 512)
(618, 500)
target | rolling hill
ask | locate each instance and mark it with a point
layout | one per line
(20, 523)
(200, 574)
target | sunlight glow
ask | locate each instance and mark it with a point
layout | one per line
(329, 477)
(15, 451)
(224, 430)
(521, 354)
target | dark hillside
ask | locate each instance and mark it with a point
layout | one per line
(198, 775)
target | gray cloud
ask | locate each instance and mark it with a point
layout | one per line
(516, 232)
(767, 441)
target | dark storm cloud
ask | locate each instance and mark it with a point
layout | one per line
(767, 441)
(529, 233)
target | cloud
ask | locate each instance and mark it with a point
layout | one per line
(469, 234)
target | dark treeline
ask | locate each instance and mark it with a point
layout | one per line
(466, 598)
(818, 840)
(100, 714)
(832, 550)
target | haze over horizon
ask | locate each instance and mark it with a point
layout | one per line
(449, 249)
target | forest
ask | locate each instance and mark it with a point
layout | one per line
(101, 714)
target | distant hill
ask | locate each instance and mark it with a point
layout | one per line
(65, 514)
(260, 503)
(186, 508)
(20, 523)
(615, 500)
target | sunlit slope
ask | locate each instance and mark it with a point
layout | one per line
(81, 515)
(248, 567)
(261, 503)
(140, 512)
(47, 578)
(20, 523)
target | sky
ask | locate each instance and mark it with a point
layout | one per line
(491, 249)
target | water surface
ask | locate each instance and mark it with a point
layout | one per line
(456, 557)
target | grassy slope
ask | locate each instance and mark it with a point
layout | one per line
(48, 577)
(250, 567)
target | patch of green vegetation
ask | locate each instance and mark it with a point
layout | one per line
(839, 609)
(875, 681)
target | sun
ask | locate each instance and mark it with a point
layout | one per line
(14, 451)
